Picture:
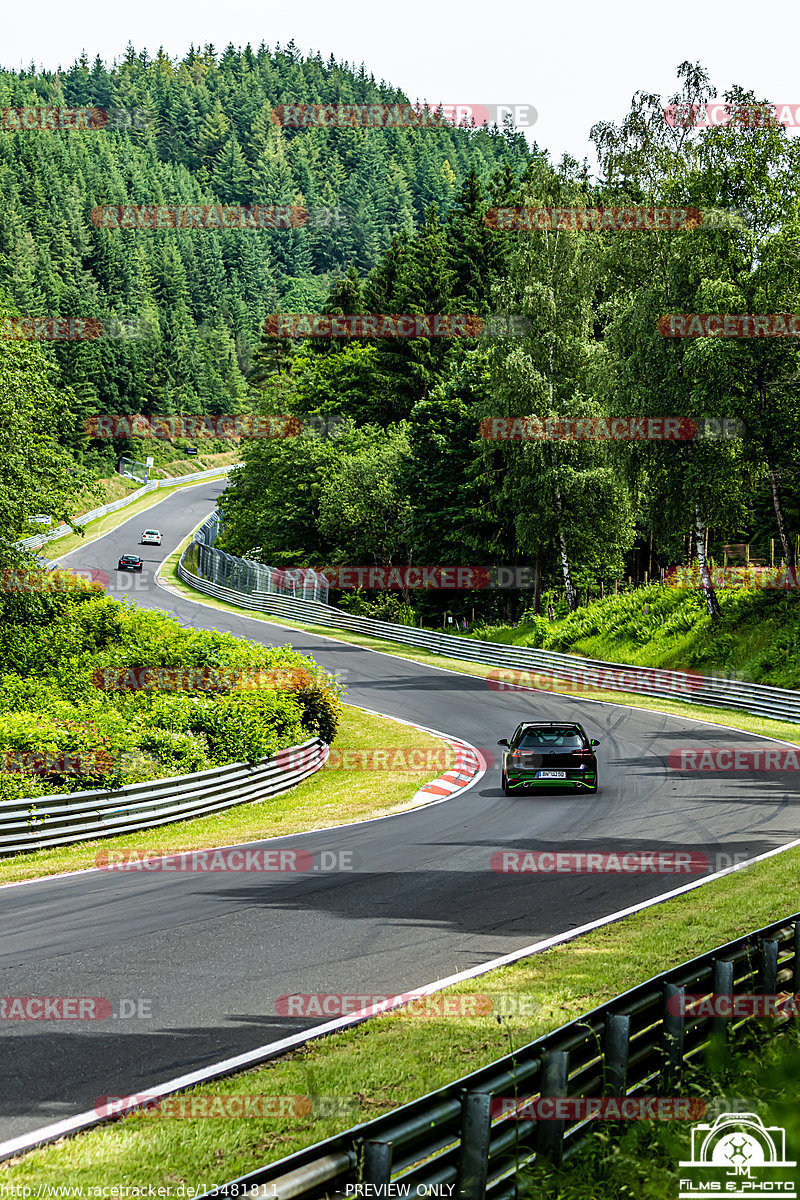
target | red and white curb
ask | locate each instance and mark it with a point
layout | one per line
(469, 763)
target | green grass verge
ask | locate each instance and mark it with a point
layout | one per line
(332, 796)
(395, 1057)
(641, 1159)
(186, 466)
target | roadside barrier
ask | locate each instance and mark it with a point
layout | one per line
(32, 824)
(41, 539)
(780, 703)
(466, 1140)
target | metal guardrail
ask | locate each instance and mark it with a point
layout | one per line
(32, 824)
(634, 1045)
(40, 539)
(577, 675)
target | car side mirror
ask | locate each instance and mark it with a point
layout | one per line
(594, 742)
(503, 742)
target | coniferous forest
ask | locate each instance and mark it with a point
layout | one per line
(398, 224)
(200, 131)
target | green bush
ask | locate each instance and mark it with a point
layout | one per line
(322, 707)
(387, 606)
(64, 728)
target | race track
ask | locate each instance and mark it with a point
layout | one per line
(212, 952)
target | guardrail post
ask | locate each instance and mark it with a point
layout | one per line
(550, 1134)
(796, 961)
(615, 1052)
(376, 1162)
(722, 986)
(473, 1157)
(768, 968)
(674, 1030)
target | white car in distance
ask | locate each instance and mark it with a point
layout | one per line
(150, 537)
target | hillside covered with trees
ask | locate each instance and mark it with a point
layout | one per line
(407, 476)
(201, 131)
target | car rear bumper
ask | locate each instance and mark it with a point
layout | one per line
(575, 781)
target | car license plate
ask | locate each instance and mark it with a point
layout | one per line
(551, 774)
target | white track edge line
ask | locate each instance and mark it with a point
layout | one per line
(265, 619)
(93, 540)
(85, 1120)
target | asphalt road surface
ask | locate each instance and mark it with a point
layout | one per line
(203, 957)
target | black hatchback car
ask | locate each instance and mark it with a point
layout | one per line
(129, 562)
(549, 754)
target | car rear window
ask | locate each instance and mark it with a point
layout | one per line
(557, 739)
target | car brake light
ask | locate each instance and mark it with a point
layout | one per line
(582, 753)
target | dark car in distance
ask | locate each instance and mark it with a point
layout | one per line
(549, 754)
(129, 562)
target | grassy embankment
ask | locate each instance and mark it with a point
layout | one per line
(757, 637)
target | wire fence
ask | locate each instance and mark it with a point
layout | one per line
(131, 468)
(248, 577)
